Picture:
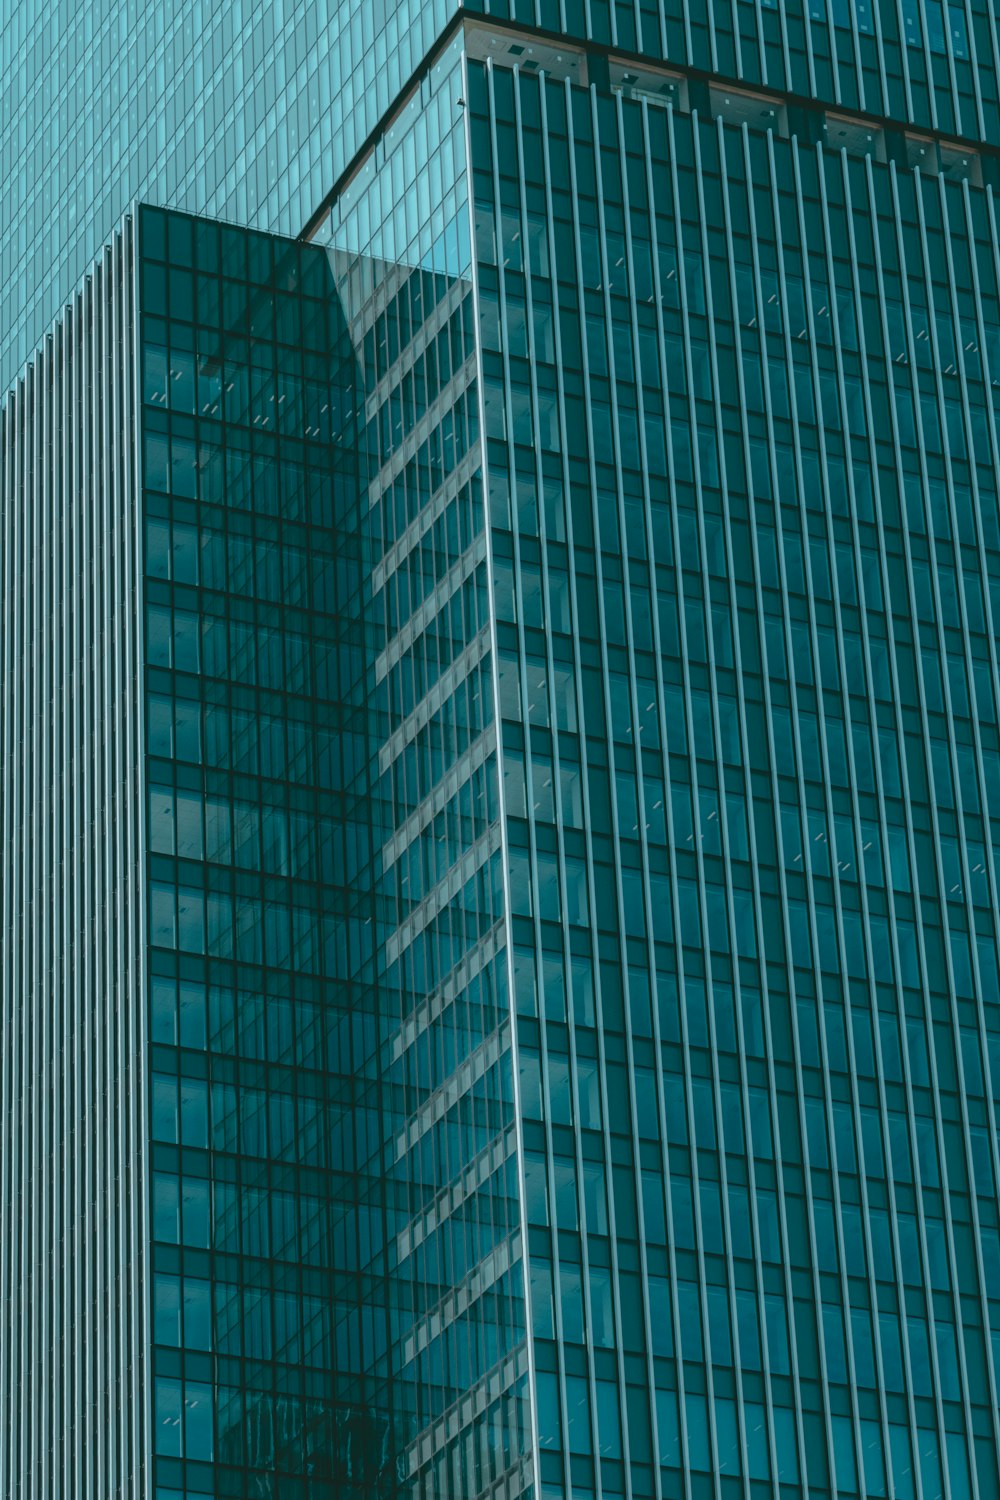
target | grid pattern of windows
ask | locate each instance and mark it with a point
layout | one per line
(265, 1148)
(934, 63)
(515, 682)
(247, 110)
(742, 465)
(401, 246)
(250, 111)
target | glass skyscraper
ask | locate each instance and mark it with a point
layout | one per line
(500, 745)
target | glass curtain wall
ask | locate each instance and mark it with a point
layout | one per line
(742, 472)
(245, 111)
(268, 1306)
(930, 63)
(399, 241)
(554, 655)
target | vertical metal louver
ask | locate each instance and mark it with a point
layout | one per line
(71, 1103)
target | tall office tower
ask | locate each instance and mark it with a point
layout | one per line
(500, 753)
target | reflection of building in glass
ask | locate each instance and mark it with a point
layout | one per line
(499, 749)
(263, 1057)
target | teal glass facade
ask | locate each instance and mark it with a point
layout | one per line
(265, 1153)
(544, 778)
(742, 469)
(245, 111)
(400, 243)
(251, 113)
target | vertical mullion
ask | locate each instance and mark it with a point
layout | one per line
(869, 684)
(64, 972)
(748, 786)
(79, 1082)
(716, 730)
(46, 990)
(108, 871)
(605, 676)
(91, 1351)
(721, 135)
(140, 1164)
(949, 52)
(822, 159)
(903, 64)
(633, 690)
(890, 1171)
(970, 25)
(882, 105)
(817, 692)
(122, 781)
(991, 871)
(760, 1293)
(993, 874)
(994, 24)
(22, 857)
(7, 413)
(925, 738)
(579, 705)
(911, 842)
(946, 682)
(883, 825)
(497, 752)
(675, 911)
(525, 1229)
(36, 961)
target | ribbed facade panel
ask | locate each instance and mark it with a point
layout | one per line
(72, 1329)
